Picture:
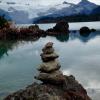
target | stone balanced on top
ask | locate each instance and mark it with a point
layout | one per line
(49, 69)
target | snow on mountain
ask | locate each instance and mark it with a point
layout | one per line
(26, 12)
(59, 10)
(83, 7)
(21, 13)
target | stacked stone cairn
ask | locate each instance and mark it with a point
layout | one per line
(49, 69)
(55, 86)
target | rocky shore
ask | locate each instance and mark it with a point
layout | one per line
(54, 85)
(10, 31)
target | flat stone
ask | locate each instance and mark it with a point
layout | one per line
(49, 45)
(55, 77)
(48, 50)
(49, 57)
(49, 66)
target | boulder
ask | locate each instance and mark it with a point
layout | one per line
(60, 28)
(38, 91)
(85, 30)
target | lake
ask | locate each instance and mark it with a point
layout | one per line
(79, 56)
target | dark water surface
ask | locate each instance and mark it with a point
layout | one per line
(79, 56)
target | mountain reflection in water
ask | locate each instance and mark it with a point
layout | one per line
(79, 55)
(9, 44)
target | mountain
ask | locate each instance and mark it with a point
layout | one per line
(22, 13)
(83, 8)
(19, 16)
(27, 13)
(5, 14)
(96, 10)
(68, 9)
(58, 10)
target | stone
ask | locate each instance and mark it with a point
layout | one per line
(53, 77)
(49, 57)
(48, 50)
(49, 45)
(49, 66)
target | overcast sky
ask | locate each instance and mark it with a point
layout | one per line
(50, 2)
(59, 1)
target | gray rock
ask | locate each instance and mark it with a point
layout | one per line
(47, 96)
(55, 77)
(49, 66)
(48, 50)
(51, 92)
(49, 57)
(49, 45)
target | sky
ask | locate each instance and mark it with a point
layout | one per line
(50, 2)
(60, 1)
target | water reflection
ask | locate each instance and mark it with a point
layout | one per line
(79, 56)
(5, 46)
(84, 38)
(63, 38)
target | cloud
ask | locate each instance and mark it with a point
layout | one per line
(48, 2)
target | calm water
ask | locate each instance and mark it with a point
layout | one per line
(72, 26)
(79, 56)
